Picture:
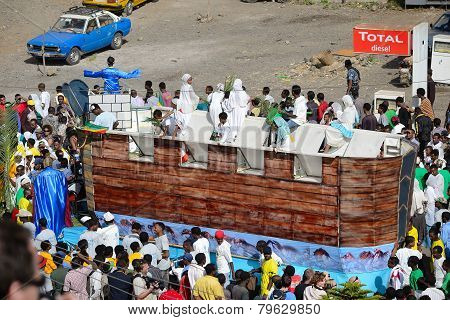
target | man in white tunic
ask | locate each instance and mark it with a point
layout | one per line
(110, 233)
(92, 237)
(224, 260)
(104, 118)
(45, 235)
(201, 244)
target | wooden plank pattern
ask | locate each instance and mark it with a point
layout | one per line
(278, 165)
(222, 159)
(346, 209)
(368, 203)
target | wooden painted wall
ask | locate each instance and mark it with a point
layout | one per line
(337, 212)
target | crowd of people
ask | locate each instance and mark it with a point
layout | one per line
(140, 266)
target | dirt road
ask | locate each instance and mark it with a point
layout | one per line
(261, 43)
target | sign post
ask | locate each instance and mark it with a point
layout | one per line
(370, 39)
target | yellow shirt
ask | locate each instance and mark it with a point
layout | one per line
(50, 265)
(25, 204)
(438, 243)
(269, 268)
(111, 261)
(208, 288)
(35, 152)
(68, 259)
(134, 256)
(413, 233)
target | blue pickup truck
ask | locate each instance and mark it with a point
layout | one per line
(79, 31)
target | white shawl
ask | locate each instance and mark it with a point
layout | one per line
(238, 97)
(188, 99)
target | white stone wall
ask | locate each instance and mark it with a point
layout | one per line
(119, 104)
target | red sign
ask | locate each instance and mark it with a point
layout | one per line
(388, 42)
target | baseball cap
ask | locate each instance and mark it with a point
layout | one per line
(188, 257)
(278, 295)
(85, 219)
(219, 234)
(30, 102)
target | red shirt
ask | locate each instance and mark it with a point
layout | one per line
(322, 108)
(170, 295)
(20, 108)
(295, 281)
(2, 107)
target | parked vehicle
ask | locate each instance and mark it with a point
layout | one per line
(121, 6)
(79, 31)
(441, 26)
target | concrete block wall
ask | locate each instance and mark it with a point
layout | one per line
(119, 104)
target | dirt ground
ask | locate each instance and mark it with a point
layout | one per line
(264, 43)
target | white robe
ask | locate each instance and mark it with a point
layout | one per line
(110, 236)
(418, 199)
(215, 108)
(238, 101)
(347, 118)
(186, 105)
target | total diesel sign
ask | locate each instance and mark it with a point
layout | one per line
(381, 41)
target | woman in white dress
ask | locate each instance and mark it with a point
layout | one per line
(340, 130)
(238, 102)
(186, 104)
(215, 107)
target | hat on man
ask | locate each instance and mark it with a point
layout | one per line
(30, 102)
(38, 130)
(24, 181)
(188, 257)
(278, 295)
(267, 250)
(85, 219)
(24, 213)
(219, 234)
(108, 216)
(444, 133)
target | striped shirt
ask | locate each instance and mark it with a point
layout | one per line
(427, 108)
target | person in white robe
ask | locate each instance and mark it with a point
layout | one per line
(187, 103)
(238, 101)
(110, 233)
(418, 199)
(215, 107)
(340, 130)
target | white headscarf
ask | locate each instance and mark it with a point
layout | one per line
(337, 109)
(220, 87)
(238, 97)
(350, 115)
(418, 199)
(188, 99)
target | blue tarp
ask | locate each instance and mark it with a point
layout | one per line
(50, 189)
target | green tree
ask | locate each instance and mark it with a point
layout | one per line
(350, 291)
(8, 145)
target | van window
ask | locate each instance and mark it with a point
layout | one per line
(442, 47)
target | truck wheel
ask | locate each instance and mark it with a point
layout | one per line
(128, 9)
(74, 56)
(117, 41)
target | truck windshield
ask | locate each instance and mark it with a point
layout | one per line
(69, 25)
(443, 23)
